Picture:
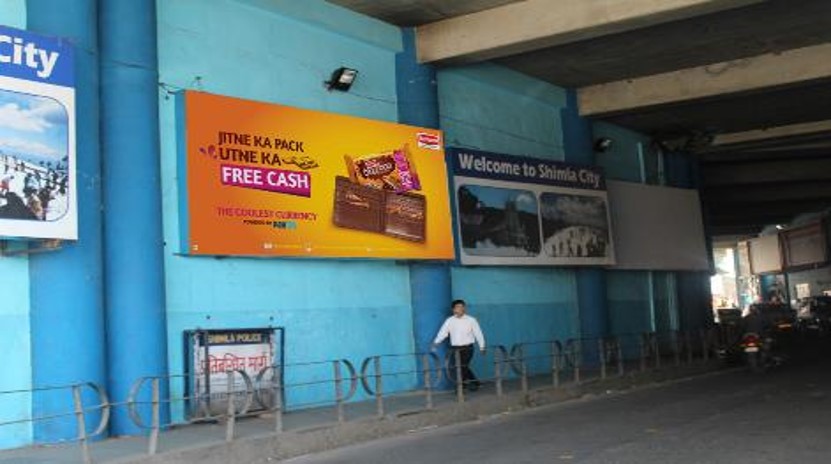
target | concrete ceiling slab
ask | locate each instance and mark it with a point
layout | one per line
(734, 113)
(729, 35)
(747, 186)
(418, 12)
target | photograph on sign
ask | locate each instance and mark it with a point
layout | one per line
(498, 221)
(574, 225)
(37, 141)
(263, 179)
(526, 211)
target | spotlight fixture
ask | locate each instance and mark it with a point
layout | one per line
(602, 145)
(342, 79)
(779, 227)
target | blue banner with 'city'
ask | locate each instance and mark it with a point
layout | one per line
(33, 57)
(37, 137)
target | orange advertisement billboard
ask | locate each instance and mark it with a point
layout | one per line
(261, 179)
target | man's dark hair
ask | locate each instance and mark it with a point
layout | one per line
(455, 302)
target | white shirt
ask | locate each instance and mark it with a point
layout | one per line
(462, 331)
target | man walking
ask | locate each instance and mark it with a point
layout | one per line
(463, 331)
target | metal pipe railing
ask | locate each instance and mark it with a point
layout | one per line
(78, 410)
(554, 362)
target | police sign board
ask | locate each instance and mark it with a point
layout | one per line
(37, 137)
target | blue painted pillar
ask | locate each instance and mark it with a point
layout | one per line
(680, 170)
(417, 88)
(430, 283)
(694, 296)
(133, 244)
(695, 300)
(67, 315)
(592, 303)
(766, 284)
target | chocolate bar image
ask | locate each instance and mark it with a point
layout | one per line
(372, 210)
(391, 170)
(358, 207)
(404, 216)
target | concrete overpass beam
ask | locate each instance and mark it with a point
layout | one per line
(768, 172)
(791, 67)
(769, 133)
(760, 193)
(533, 24)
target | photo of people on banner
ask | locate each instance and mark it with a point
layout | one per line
(34, 168)
(526, 211)
(574, 226)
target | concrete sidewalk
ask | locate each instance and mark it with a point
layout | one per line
(312, 430)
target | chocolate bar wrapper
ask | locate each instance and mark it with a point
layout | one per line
(404, 216)
(406, 170)
(357, 206)
(392, 170)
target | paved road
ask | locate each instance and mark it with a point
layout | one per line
(779, 417)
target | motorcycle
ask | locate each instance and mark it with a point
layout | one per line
(814, 317)
(757, 351)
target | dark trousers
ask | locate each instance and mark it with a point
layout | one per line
(465, 355)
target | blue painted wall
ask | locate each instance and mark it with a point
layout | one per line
(14, 311)
(694, 308)
(666, 301)
(591, 294)
(430, 283)
(16, 346)
(638, 301)
(630, 312)
(623, 160)
(330, 308)
(13, 13)
(66, 285)
(492, 108)
(134, 275)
